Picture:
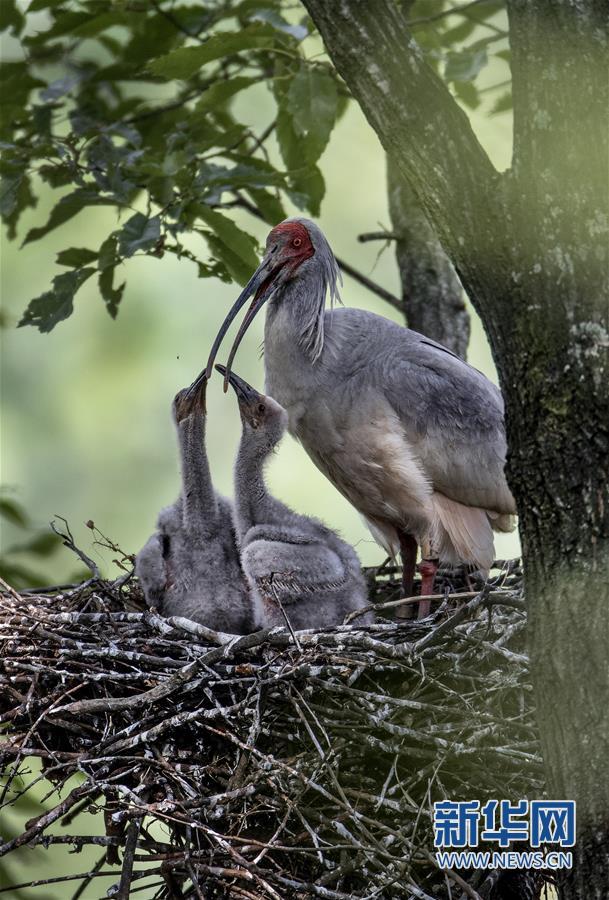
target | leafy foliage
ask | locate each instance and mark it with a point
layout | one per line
(131, 105)
(19, 563)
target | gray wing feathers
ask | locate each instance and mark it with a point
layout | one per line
(150, 570)
(315, 582)
(451, 413)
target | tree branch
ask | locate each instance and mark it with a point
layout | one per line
(419, 124)
(432, 296)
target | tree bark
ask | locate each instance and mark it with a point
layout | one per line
(530, 248)
(432, 295)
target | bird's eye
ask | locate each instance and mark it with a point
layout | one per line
(296, 242)
(261, 408)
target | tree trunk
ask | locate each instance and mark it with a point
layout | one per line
(530, 247)
(431, 292)
(558, 398)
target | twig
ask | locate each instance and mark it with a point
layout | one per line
(453, 11)
(68, 541)
(124, 887)
(377, 236)
(276, 769)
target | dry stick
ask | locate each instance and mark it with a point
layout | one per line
(166, 687)
(68, 540)
(124, 886)
(467, 889)
(377, 236)
(11, 590)
(35, 826)
(258, 686)
(84, 884)
(405, 601)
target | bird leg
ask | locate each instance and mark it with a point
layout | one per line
(408, 551)
(427, 568)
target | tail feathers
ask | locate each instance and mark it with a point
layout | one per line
(385, 535)
(462, 533)
(504, 522)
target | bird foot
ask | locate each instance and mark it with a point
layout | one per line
(428, 569)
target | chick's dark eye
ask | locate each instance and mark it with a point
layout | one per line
(296, 242)
(261, 408)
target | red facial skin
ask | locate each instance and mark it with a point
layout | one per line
(296, 244)
(295, 247)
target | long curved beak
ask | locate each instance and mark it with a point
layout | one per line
(260, 284)
(244, 391)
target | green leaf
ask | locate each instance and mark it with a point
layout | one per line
(13, 512)
(230, 262)
(298, 32)
(308, 189)
(108, 253)
(43, 544)
(458, 33)
(467, 92)
(11, 16)
(139, 233)
(9, 188)
(313, 102)
(269, 205)
(241, 258)
(66, 209)
(289, 145)
(251, 172)
(52, 307)
(221, 91)
(76, 257)
(502, 104)
(465, 66)
(37, 5)
(184, 62)
(111, 296)
(108, 260)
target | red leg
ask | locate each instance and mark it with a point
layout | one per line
(428, 569)
(408, 550)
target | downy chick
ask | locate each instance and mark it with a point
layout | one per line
(190, 566)
(296, 566)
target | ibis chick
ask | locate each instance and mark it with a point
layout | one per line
(297, 568)
(190, 566)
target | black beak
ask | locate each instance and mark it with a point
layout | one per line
(260, 284)
(187, 400)
(198, 388)
(244, 391)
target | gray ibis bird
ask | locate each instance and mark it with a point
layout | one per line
(297, 568)
(190, 566)
(407, 431)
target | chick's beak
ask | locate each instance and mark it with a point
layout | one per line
(246, 394)
(188, 399)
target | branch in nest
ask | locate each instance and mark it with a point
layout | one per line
(279, 765)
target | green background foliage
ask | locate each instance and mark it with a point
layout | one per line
(146, 149)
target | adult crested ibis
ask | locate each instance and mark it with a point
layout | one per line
(296, 567)
(190, 566)
(407, 431)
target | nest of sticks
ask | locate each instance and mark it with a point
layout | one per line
(278, 764)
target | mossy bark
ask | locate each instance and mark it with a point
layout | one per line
(433, 298)
(531, 249)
